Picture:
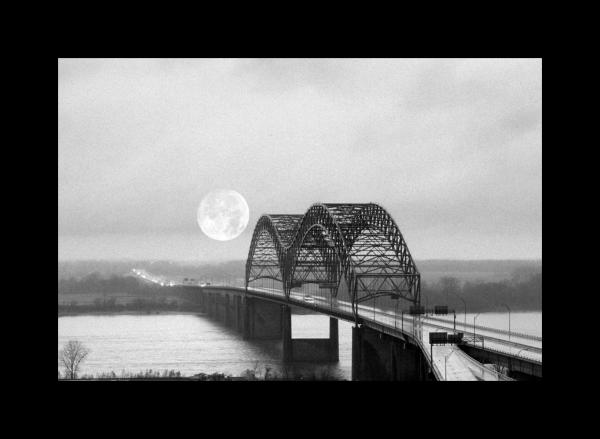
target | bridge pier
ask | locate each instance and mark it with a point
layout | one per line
(309, 349)
(213, 305)
(228, 311)
(238, 314)
(208, 304)
(263, 320)
(202, 301)
(381, 357)
(219, 307)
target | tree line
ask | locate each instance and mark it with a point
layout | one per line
(522, 291)
(138, 304)
(95, 283)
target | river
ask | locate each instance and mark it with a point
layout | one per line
(193, 343)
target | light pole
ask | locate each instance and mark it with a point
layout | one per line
(445, 361)
(374, 302)
(508, 320)
(474, 326)
(465, 304)
(402, 318)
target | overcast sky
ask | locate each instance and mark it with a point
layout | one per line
(451, 148)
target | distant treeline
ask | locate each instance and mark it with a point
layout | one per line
(104, 269)
(96, 283)
(138, 304)
(523, 292)
(431, 270)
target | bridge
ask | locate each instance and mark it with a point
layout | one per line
(351, 262)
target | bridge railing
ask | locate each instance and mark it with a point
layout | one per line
(489, 328)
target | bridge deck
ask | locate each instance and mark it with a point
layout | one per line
(449, 362)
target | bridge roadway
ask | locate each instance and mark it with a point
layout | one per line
(449, 361)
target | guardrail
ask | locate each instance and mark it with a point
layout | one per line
(488, 328)
(510, 354)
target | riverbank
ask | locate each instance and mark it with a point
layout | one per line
(126, 312)
(249, 375)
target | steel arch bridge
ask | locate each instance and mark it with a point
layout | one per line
(358, 243)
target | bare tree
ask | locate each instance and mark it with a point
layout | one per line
(71, 357)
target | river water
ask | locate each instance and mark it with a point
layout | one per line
(193, 343)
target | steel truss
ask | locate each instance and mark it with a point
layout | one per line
(359, 243)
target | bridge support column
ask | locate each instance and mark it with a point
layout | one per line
(286, 333)
(216, 306)
(223, 308)
(238, 314)
(246, 314)
(227, 304)
(263, 320)
(209, 307)
(356, 352)
(381, 357)
(202, 300)
(334, 340)
(309, 349)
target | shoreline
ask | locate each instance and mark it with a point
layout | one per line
(126, 312)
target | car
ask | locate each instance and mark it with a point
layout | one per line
(308, 298)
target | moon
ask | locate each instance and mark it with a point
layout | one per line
(223, 214)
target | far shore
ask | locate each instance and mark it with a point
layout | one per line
(134, 312)
(125, 312)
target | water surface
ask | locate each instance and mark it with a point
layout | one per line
(194, 343)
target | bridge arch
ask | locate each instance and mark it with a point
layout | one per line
(268, 248)
(359, 243)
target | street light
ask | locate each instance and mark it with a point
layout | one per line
(445, 361)
(474, 326)
(508, 320)
(464, 303)
(402, 318)
(374, 302)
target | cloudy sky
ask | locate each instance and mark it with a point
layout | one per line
(451, 148)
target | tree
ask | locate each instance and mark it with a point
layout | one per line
(71, 357)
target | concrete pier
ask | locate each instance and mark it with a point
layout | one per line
(265, 320)
(381, 357)
(310, 349)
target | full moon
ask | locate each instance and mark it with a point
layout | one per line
(223, 215)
